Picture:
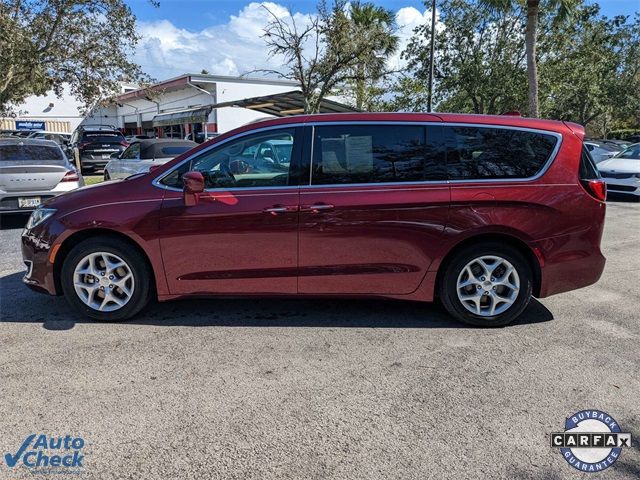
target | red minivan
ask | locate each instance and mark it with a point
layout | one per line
(480, 212)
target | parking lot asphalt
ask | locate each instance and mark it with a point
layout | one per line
(304, 389)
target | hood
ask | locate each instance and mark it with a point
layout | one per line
(620, 165)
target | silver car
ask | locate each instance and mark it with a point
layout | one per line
(31, 171)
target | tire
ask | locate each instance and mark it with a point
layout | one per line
(496, 291)
(122, 296)
(106, 176)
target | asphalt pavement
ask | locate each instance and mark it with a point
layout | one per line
(315, 389)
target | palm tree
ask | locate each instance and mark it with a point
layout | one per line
(563, 10)
(377, 26)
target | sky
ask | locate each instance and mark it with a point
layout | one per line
(223, 36)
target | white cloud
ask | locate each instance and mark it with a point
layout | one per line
(234, 47)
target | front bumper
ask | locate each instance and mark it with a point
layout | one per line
(37, 245)
(630, 186)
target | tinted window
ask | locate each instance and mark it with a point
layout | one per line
(174, 151)
(17, 153)
(588, 170)
(103, 137)
(236, 164)
(374, 154)
(481, 152)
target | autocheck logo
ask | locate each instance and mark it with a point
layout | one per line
(592, 440)
(48, 454)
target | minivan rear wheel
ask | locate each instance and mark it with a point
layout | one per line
(106, 279)
(487, 285)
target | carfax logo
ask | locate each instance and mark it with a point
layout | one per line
(48, 454)
(592, 440)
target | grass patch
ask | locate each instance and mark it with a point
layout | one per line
(92, 179)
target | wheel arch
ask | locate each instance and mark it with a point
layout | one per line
(511, 240)
(82, 235)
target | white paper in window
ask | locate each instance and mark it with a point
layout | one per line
(359, 154)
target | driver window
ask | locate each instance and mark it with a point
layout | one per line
(131, 153)
(240, 163)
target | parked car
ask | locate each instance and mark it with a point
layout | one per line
(143, 154)
(200, 136)
(481, 212)
(601, 151)
(32, 171)
(61, 138)
(95, 144)
(622, 172)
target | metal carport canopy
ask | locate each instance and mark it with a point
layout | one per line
(284, 104)
(191, 115)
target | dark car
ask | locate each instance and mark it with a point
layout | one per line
(95, 145)
(481, 212)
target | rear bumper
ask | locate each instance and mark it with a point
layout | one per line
(569, 262)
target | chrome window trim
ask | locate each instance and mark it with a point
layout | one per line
(559, 137)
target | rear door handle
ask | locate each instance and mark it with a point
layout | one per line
(281, 209)
(317, 207)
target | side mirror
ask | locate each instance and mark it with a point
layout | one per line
(193, 185)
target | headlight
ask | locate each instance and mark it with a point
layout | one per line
(38, 216)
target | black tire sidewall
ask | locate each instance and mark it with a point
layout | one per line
(448, 287)
(134, 260)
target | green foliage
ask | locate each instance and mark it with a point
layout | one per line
(590, 70)
(46, 44)
(331, 49)
(589, 67)
(479, 65)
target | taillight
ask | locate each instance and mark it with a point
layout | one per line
(70, 176)
(597, 188)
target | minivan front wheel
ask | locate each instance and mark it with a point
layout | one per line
(489, 284)
(106, 279)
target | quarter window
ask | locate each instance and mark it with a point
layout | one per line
(346, 154)
(485, 153)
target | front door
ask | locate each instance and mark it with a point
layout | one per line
(242, 235)
(376, 209)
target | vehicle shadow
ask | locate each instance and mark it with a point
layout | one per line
(10, 221)
(18, 304)
(622, 198)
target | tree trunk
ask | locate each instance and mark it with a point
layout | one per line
(530, 43)
(360, 86)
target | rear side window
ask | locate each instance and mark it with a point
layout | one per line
(346, 154)
(174, 151)
(588, 169)
(489, 153)
(18, 153)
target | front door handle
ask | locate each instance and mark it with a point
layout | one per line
(281, 209)
(317, 207)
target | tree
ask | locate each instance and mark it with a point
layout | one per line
(590, 70)
(322, 53)
(84, 44)
(563, 10)
(479, 62)
(376, 25)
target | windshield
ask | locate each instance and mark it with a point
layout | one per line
(632, 152)
(19, 153)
